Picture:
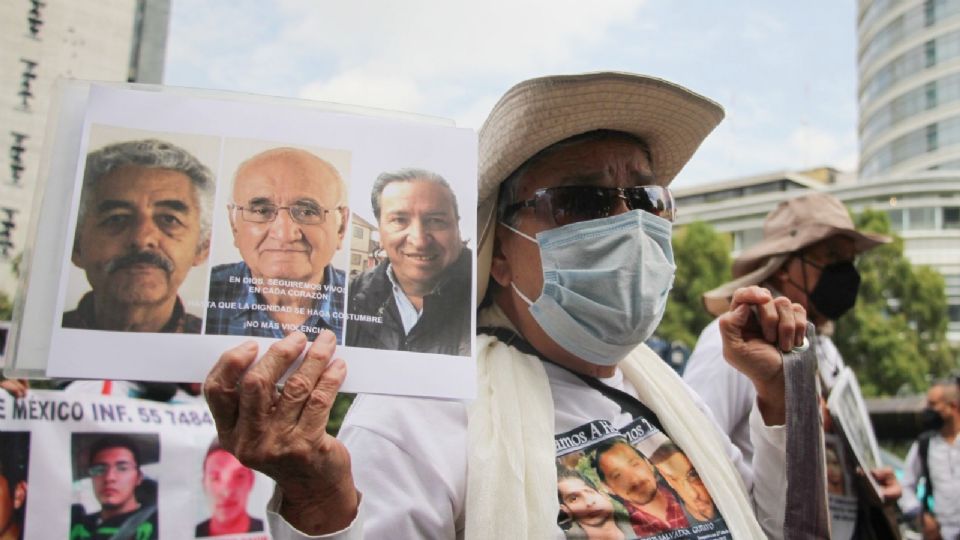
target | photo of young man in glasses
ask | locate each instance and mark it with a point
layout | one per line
(128, 506)
(288, 213)
(418, 298)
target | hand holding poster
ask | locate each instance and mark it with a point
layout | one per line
(196, 222)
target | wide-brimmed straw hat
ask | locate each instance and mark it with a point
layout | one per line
(790, 227)
(537, 113)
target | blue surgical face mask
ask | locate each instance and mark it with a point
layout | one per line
(605, 283)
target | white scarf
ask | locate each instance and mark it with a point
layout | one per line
(512, 475)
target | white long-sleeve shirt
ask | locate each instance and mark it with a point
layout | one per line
(409, 459)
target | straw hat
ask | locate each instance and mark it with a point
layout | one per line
(790, 227)
(537, 113)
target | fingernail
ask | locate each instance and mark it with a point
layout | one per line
(249, 345)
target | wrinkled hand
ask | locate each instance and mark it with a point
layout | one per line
(16, 387)
(284, 434)
(755, 332)
(889, 485)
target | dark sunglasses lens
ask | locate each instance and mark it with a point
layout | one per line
(653, 199)
(574, 203)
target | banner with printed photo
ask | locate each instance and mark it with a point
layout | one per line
(631, 482)
(849, 411)
(80, 467)
(192, 221)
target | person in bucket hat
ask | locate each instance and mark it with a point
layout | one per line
(807, 253)
(574, 265)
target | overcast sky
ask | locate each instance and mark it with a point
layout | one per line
(784, 71)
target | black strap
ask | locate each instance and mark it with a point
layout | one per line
(923, 451)
(629, 404)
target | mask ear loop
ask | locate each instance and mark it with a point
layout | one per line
(512, 284)
(803, 270)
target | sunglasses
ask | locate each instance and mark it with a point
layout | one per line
(571, 204)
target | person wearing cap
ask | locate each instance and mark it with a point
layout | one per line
(574, 265)
(807, 254)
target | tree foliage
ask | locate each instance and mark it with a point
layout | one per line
(702, 256)
(6, 307)
(895, 337)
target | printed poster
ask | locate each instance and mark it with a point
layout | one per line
(850, 412)
(79, 465)
(192, 224)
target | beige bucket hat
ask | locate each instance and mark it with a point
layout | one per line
(540, 112)
(791, 226)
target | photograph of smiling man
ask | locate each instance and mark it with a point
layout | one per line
(287, 213)
(143, 226)
(417, 297)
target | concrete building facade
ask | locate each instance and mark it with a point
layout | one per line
(41, 41)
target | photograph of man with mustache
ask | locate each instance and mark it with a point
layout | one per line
(143, 223)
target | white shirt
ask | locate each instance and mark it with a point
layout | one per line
(409, 459)
(943, 460)
(730, 395)
(408, 312)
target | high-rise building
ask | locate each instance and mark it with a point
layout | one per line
(40, 41)
(909, 129)
(909, 89)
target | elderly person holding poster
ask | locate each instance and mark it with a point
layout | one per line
(419, 298)
(806, 255)
(288, 217)
(143, 223)
(575, 223)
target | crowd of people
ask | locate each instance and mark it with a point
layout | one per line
(578, 429)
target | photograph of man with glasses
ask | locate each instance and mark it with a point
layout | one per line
(127, 499)
(288, 214)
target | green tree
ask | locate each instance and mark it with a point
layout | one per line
(6, 307)
(896, 335)
(702, 256)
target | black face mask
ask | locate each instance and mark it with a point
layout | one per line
(836, 290)
(930, 420)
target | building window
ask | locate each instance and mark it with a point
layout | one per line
(929, 13)
(34, 20)
(931, 94)
(932, 142)
(930, 53)
(896, 220)
(356, 259)
(26, 81)
(746, 238)
(17, 150)
(358, 232)
(951, 217)
(921, 219)
(7, 225)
